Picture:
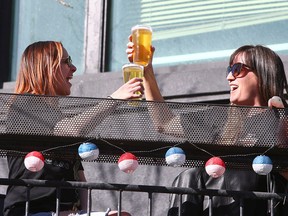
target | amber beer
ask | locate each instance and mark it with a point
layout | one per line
(132, 70)
(142, 39)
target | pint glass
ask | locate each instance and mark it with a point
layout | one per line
(130, 71)
(142, 39)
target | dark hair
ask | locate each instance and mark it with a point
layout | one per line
(267, 66)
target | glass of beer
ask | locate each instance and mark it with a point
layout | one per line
(132, 70)
(142, 39)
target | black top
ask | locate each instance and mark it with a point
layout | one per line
(41, 198)
(255, 130)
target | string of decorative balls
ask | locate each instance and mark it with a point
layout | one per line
(175, 156)
(128, 163)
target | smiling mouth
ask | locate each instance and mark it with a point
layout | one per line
(233, 88)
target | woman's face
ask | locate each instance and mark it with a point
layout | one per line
(244, 89)
(67, 69)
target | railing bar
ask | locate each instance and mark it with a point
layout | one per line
(272, 207)
(272, 197)
(58, 195)
(150, 196)
(142, 188)
(27, 201)
(120, 203)
(241, 206)
(89, 203)
(210, 202)
(180, 205)
(269, 189)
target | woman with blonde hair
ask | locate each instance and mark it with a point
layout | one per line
(46, 69)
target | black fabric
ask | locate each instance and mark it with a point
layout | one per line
(252, 133)
(238, 180)
(42, 198)
(194, 205)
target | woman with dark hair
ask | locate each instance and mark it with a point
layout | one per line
(255, 75)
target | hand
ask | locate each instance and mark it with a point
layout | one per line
(276, 102)
(130, 50)
(129, 89)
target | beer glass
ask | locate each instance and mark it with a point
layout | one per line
(142, 39)
(130, 71)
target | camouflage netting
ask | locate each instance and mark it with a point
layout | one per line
(56, 126)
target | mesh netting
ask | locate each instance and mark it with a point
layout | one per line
(56, 126)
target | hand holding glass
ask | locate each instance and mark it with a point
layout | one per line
(131, 71)
(142, 40)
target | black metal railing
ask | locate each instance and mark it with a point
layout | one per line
(150, 190)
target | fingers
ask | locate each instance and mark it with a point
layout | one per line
(136, 87)
(130, 37)
(129, 51)
(136, 84)
(135, 80)
(276, 102)
(131, 89)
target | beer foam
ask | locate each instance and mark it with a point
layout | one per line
(145, 27)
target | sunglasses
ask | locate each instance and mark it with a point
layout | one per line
(237, 68)
(68, 61)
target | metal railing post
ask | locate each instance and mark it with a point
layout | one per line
(120, 203)
(180, 205)
(150, 196)
(89, 203)
(241, 206)
(27, 201)
(58, 197)
(210, 202)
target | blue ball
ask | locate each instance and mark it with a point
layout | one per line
(262, 165)
(175, 156)
(88, 151)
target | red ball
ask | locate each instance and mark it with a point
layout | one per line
(128, 162)
(34, 161)
(215, 167)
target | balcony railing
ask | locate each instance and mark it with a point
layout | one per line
(146, 129)
(149, 190)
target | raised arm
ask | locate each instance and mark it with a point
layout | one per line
(163, 118)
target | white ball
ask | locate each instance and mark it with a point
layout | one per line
(175, 156)
(34, 161)
(262, 165)
(88, 151)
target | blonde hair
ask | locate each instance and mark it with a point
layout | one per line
(39, 64)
